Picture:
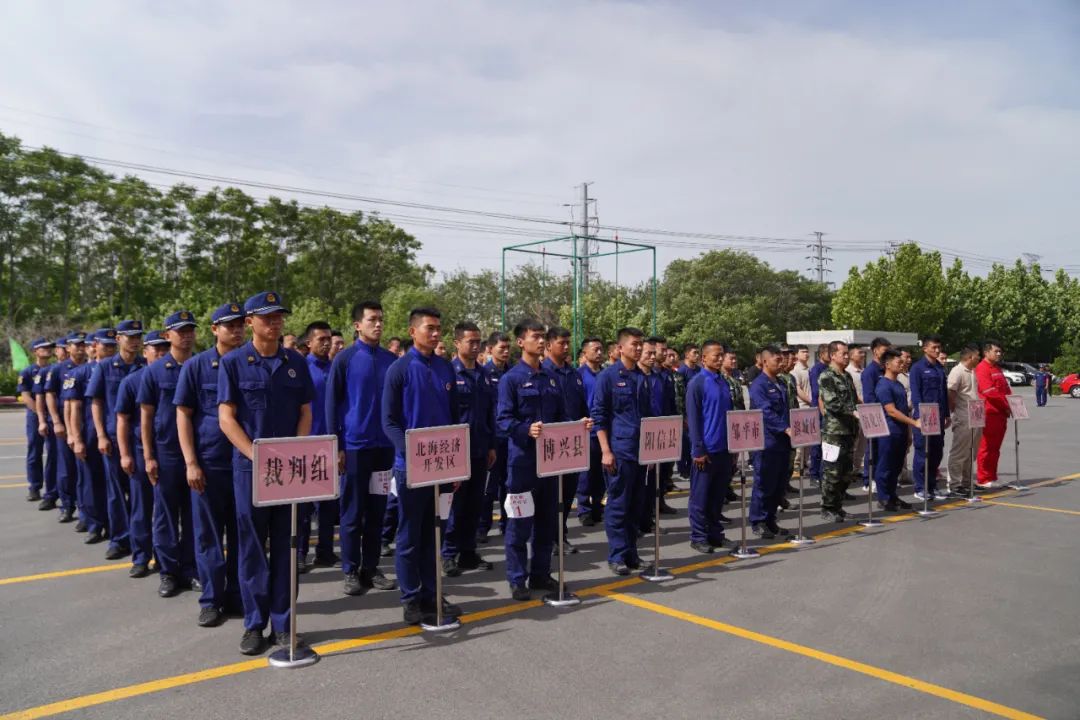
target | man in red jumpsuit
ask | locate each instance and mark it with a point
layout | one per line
(994, 390)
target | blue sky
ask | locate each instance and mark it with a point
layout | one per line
(955, 124)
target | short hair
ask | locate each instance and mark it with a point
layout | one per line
(785, 349)
(528, 325)
(800, 347)
(730, 350)
(628, 331)
(555, 332)
(610, 344)
(904, 350)
(991, 343)
(497, 337)
(417, 314)
(463, 327)
(591, 339)
(878, 342)
(968, 350)
(686, 348)
(656, 340)
(360, 308)
(708, 344)
(835, 345)
(889, 354)
(823, 349)
(317, 325)
(770, 350)
(931, 338)
(336, 333)
(391, 340)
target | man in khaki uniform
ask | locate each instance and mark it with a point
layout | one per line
(963, 389)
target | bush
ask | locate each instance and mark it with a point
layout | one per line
(9, 379)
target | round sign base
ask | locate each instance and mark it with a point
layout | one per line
(744, 553)
(1017, 487)
(654, 574)
(567, 600)
(974, 500)
(302, 657)
(799, 540)
(871, 523)
(449, 624)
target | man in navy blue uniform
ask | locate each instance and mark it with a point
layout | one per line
(78, 354)
(691, 366)
(45, 428)
(420, 391)
(815, 375)
(174, 545)
(132, 462)
(873, 372)
(264, 391)
(32, 377)
(476, 406)
(768, 394)
(590, 488)
(661, 402)
(708, 400)
(66, 472)
(353, 411)
(83, 434)
(208, 468)
(557, 364)
(498, 347)
(621, 398)
(102, 393)
(928, 385)
(317, 339)
(892, 449)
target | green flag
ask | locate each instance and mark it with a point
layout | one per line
(19, 359)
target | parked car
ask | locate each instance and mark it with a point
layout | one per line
(1018, 373)
(1071, 385)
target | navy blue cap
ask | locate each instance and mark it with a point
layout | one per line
(264, 303)
(226, 313)
(62, 340)
(179, 319)
(41, 343)
(77, 337)
(105, 336)
(153, 337)
(129, 327)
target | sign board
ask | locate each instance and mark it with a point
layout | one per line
(746, 431)
(976, 414)
(293, 469)
(562, 448)
(930, 418)
(437, 455)
(872, 420)
(661, 439)
(1018, 407)
(805, 427)
(380, 482)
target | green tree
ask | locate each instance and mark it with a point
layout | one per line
(903, 292)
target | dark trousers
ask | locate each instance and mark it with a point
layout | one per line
(362, 512)
(927, 448)
(390, 518)
(496, 491)
(35, 453)
(590, 486)
(414, 555)
(140, 525)
(327, 512)
(625, 493)
(91, 489)
(51, 463)
(889, 460)
(174, 544)
(264, 580)
(708, 488)
(117, 503)
(465, 510)
(217, 547)
(815, 462)
(1040, 394)
(540, 529)
(770, 483)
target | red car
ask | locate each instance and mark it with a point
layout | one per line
(1071, 385)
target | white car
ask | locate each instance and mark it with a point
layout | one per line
(1014, 377)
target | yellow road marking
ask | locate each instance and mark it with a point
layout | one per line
(853, 665)
(64, 573)
(12, 477)
(1032, 507)
(9, 486)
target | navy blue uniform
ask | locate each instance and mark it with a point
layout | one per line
(576, 407)
(815, 450)
(708, 400)
(661, 402)
(476, 406)
(590, 487)
(30, 378)
(352, 411)
(688, 373)
(620, 399)
(66, 473)
(90, 486)
(268, 394)
(528, 396)
(327, 510)
(213, 511)
(496, 482)
(104, 388)
(770, 465)
(420, 391)
(891, 449)
(140, 491)
(873, 372)
(174, 544)
(928, 385)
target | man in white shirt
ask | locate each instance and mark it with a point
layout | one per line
(963, 389)
(801, 373)
(904, 378)
(855, 369)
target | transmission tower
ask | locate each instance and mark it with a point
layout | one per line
(819, 257)
(587, 243)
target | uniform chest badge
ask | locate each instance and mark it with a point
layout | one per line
(447, 387)
(251, 358)
(579, 381)
(292, 373)
(460, 382)
(168, 364)
(552, 383)
(213, 364)
(620, 384)
(526, 385)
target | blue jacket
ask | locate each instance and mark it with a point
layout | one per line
(127, 403)
(319, 370)
(31, 380)
(588, 382)
(708, 399)
(476, 406)
(575, 406)
(268, 393)
(815, 375)
(928, 385)
(157, 388)
(892, 391)
(526, 396)
(661, 393)
(354, 388)
(870, 376)
(105, 384)
(197, 388)
(771, 398)
(688, 373)
(419, 392)
(75, 384)
(621, 398)
(54, 382)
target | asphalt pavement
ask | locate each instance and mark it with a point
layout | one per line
(974, 613)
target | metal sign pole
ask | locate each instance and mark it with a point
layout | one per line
(972, 497)
(293, 656)
(655, 573)
(801, 539)
(926, 511)
(742, 552)
(870, 522)
(561, 598)
(1015, 485)
(440, 625)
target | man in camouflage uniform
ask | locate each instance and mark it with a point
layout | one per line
(839, 427)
